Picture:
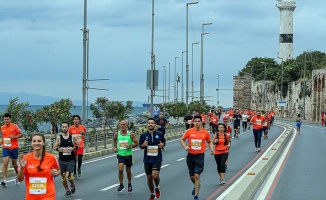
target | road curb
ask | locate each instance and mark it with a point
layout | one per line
(247, 187)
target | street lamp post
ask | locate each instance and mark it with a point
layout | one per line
(281, 87)
(187, 64)
(218, 88)
(175, 78)
(182, 88)
(202, 64)
(169, 83)
(164, 85)
(304, 85)
(192, 70)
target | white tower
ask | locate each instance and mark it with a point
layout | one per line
(286, 8)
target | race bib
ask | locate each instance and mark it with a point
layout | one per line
(37, 185)
(79, 137)
(196, 144)
(258, 122)
(7, 142)
(189, 121)
(152, 150)
(66, 152)
(265, 123)
(123, 144)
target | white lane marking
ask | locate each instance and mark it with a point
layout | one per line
(164, 165)
(227, 191)
(271, 178)
(143, 174)
(140, 175)
(181, 159)
(110, 187)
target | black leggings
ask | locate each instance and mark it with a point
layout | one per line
(244, 124)
(220, 160)
(80, 160)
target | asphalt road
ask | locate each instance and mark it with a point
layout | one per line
(100, 176)
(302, 174)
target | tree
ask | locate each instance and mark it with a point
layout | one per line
(56, 113)
(26, 119)
(110, 109)
(176, 109)
(198, 107)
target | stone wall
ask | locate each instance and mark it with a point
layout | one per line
(294, 97)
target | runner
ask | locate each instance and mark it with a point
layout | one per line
(214, 121)
(152, 142)
(221, 141)
(187, 120)
(236, 123)
(10, 134)
(203, 116)
(298, 123)
(257, 127)
(41, 168)
(229, 133)
(66, 145)
(124, 141)
(244, 121)
(266, 125)
(79, 131)
(162, 124)
(197, 138)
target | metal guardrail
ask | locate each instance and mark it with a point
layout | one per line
(94, 139)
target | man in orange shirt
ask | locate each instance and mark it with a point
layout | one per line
(257, 121)
(197, 138)
(203, 116)
(214, 121)
(10, 134)
(79, 131)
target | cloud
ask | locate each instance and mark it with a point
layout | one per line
(42, 44)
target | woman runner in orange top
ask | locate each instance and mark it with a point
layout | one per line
(221, 142)
(38, 168)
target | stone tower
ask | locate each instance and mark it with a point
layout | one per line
(286, 8)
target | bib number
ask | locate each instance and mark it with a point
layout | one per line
(123, 144)
(196, 144)
(37, 185)
(152, 151)
(7, 142)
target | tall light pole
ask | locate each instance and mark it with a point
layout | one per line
(192, 70)
(281, 86)
(187, 65)
(264, 103)
(169, 83)
(166, 90)
(304, 85)
(182, 91)
(152, 62)
(218, 90)
(164, 85)
(202, 63)
(85, 66)
(175, 78)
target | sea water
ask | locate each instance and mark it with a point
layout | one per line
(76, 110)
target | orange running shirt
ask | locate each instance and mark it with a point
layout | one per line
(7, 130)
(214, 119)
(75, 131)
(257, 122)
(40, 184)
(220, 147)
(203, 118)
(196, 140)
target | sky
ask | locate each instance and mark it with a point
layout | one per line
(42, 44)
